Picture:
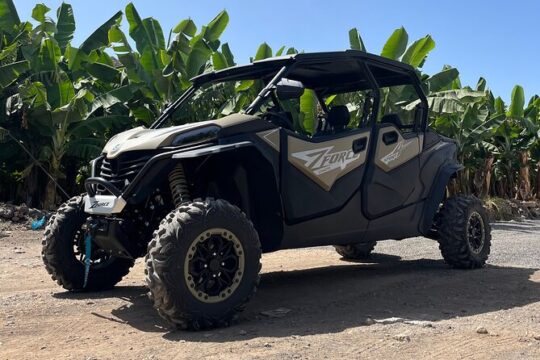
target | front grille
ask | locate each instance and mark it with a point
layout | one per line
(121, 170)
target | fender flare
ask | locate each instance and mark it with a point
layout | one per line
(436, 195)
(158, 166)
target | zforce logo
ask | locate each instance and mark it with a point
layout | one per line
(324, 160)
(97, 204)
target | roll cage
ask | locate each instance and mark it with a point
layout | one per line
(326, 73)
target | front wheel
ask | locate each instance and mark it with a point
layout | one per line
(203, 264)
(64, 256)
(464, 232)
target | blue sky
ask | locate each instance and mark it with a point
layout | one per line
(495, 39)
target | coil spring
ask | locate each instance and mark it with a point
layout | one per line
(179, 185)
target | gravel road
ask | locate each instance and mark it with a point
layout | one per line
(405, 303)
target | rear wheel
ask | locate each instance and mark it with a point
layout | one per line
(464, 232)
(203, 264)
(64, 256)
(359, 251)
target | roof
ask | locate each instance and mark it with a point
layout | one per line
(337, 71)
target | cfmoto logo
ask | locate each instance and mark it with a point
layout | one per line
(324, 160)
(116, 147)
(396, 152)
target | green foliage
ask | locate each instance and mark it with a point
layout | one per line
(62, 101)
(396, 44)
(355, 40)
(8, 15)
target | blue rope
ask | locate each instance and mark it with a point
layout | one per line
(88, 255)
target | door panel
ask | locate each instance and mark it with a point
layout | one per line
(393, 149)
(319, 175)
(393, 180)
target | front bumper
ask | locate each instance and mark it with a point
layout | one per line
(102, 204)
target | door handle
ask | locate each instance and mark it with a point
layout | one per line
(359, 145)
(390, 137)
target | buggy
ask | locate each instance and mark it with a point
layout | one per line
(297, 151)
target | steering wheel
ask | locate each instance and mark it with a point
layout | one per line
(284, 121)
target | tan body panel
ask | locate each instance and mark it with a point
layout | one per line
(327, 161)
(141, 138)
(388, 157)
(271, 137)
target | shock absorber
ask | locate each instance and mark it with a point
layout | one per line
(179, 185)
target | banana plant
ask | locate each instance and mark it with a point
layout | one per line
(518, 135)
(161, 69)
(64, 97)
(464, 116)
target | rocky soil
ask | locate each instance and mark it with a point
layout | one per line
(406, 303)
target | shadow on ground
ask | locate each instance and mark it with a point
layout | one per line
(335, 298)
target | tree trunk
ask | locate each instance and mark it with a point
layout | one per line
(488, 167)
(49, 203)
(482, 178)
(524, 188)
(464, 181)
(510, 179)
(538, 180)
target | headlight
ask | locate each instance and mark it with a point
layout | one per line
(203, 134)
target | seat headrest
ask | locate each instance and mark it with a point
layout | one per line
(392, 119)
(338, 117)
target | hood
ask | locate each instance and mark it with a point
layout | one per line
(141, 138)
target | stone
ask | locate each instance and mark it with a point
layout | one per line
(6, 212)
(276, 313)
(422, 323)
(390, 320)
(402, 338)
(369, 321)
(481, 330)
(23, 209)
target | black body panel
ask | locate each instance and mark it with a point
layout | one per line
(342, 227)
(389, 191)
(303, 199)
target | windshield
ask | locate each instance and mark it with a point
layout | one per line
(215, 100)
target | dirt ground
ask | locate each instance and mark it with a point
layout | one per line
(406, 303)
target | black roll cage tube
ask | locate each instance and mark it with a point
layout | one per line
(172, 108)
(254, 106)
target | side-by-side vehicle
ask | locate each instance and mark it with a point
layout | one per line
(290, 152)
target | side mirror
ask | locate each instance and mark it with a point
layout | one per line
(289, 89)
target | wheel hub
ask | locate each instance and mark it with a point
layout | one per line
(475, 232)
(214, 265)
